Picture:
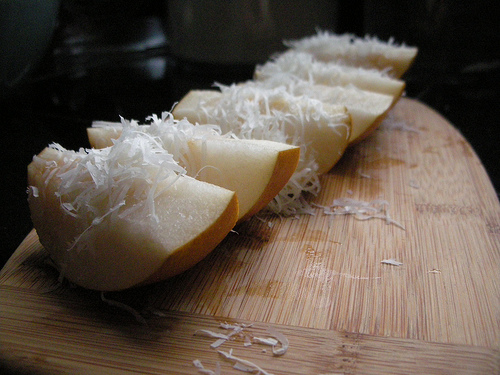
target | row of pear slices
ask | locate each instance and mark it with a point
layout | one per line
(361, 75)
(226, 181)
(114, 247)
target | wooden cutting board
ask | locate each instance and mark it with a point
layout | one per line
(320, 280)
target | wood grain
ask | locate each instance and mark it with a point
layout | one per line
(318, 279)
(79, 336)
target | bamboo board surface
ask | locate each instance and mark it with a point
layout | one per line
(317, 279)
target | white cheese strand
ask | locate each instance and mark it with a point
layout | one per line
(202, 370)
(243, 364)
(361, 210)
(282, 339)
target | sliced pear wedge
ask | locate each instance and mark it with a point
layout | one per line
(324, 128)
(367, 52)
(305, 67)
(116, 218)
(367, 109)
(320, 130)
(256, 170)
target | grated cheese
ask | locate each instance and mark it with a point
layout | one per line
(250, 111)
(361, 210)
(171, 134)
(124, 307)
(414, 184)
(243, 364)
(221, 337)
(265, 341)
(364, 175)
(392, 262)
(282, 339)
(201, 369)
(367, 52)
(94, 184)
(391, 123)
(237, 329)
(305, 66)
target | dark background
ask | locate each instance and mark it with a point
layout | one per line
(108, 59)
(112, 58)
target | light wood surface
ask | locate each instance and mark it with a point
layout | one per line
(317, 279)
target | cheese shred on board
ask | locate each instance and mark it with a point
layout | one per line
(243, 364)
(237, 330)
(202, 370)
(392, 262)
(361, 210)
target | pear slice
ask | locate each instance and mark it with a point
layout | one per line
(367, 109)
(194, 105)
(304, 66)
(320, 130)
(324, 128)
(256, 170)
(367, 52)
(116, 218)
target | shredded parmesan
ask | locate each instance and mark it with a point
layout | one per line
(248, 341)
(237, 330)
(201, 369)
(124, 307)
(243, 364)
(434, 270)
(390, 122)
(392, 262)
(94, 185)
(171, 134)
(305, 66)
(361, 210)
(364, 175)
(414, 184)
(212, 334)
(367, 52)
(282, 339)
(265, 341)
(252, 111)
(221, 337)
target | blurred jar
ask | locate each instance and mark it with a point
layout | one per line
(26, 29)
(232, 32)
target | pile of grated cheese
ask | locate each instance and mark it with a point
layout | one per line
(237, 330)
